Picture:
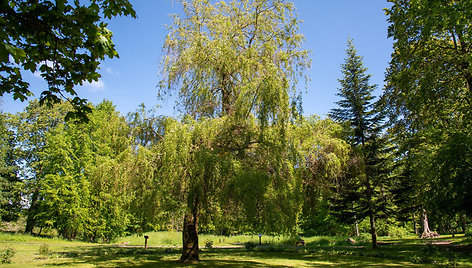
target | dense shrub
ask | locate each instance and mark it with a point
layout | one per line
(6, 255)
(44, 251)
(397, 231)
(468, 231)
(365, 237)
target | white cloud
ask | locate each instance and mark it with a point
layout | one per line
(95, 85)
(111, 71)
(92, 86)
(37, 74)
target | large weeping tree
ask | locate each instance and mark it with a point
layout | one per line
(365, 191)
(239, 60)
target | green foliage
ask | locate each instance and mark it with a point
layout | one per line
(76, 171)
(468, 231)
(64, 41)
(385, 227)
(7, 255)
(321, 221)
(428, 97)
(323, 154)
(10, 186)
(223, 179)
(356, 107)
(31, 129)
(99, 180)
(397, 231)
(219, 59)
(364, 237)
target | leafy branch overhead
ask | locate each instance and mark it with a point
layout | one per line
(63, 40)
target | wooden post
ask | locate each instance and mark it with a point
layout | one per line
(145, 241)
(260, 240)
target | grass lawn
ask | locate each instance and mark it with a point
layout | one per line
(319, 252)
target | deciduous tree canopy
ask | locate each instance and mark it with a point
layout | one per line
(237, 58)
(428, 94)
(62, 40)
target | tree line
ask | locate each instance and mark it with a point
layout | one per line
(242, 157)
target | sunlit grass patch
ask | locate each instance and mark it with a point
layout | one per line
(319, 251)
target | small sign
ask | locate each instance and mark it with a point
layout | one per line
(259, 235)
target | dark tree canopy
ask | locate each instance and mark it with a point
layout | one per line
(430, 74)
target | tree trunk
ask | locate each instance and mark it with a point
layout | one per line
(190, 239)
(357, 226)
(226, 101)
(451, 227)
(373, 230)
(30, 220)
(426, 231)
(414, 223)
(463, 223)
(190, 248)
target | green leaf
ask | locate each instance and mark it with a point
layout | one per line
(3, 53)
(17, 53)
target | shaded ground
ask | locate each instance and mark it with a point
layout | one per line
(391, 253)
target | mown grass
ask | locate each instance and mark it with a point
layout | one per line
(318, 252)
(175, 239)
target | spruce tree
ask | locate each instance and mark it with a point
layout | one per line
(364, 192)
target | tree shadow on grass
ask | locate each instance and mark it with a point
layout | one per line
(105, 256)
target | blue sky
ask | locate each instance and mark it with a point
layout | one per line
(132, 79)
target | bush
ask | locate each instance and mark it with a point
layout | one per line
(44, 250)
(365, 237)
(7, 255)
(208, 244)
(250, 245)
(397, 231)
(468, 231)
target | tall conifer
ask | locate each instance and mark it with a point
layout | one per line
(364, 192)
